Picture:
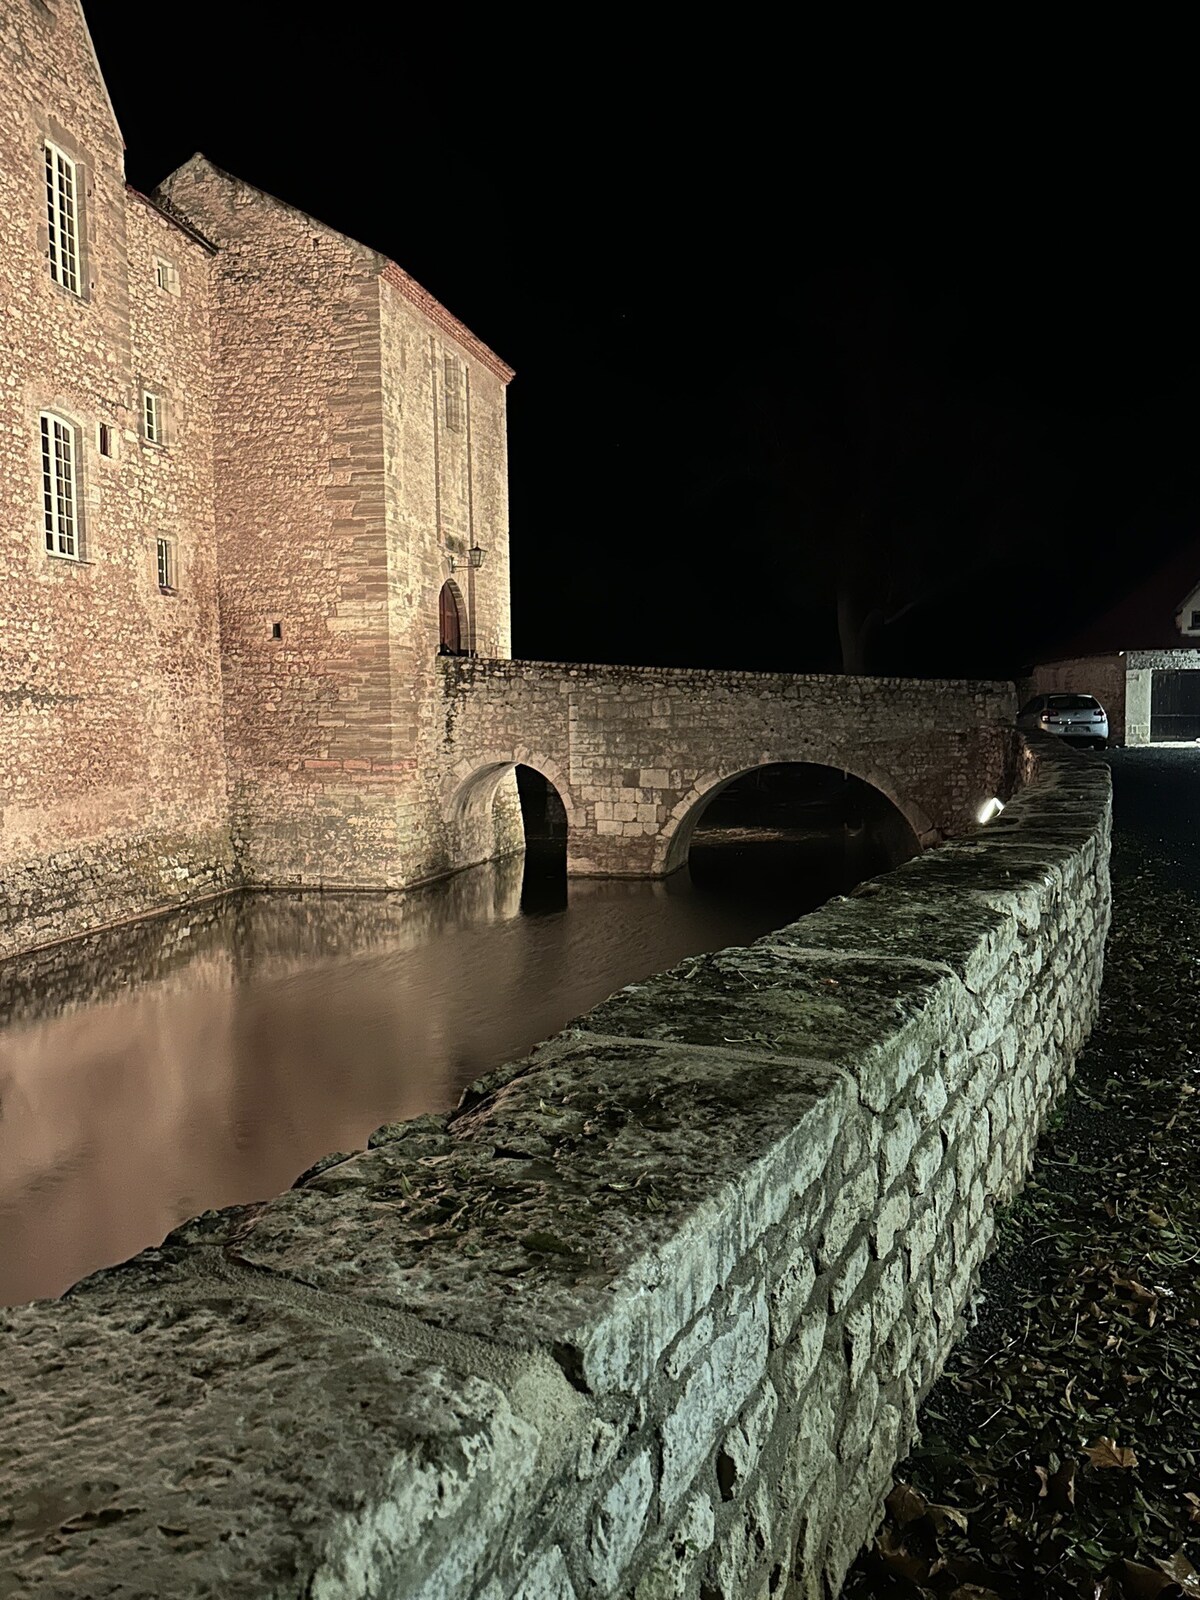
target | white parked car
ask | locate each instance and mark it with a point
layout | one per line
(1072, 716)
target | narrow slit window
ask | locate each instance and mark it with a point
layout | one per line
(107, 442)
(59, 491)
(62, 219)
(456, 411)
(166, 564)
(165, 276)
(153, 418)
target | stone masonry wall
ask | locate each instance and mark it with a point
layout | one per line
(1102, 676)
(346, 482)
(648, 1316)
(636, 753)
(112, 771)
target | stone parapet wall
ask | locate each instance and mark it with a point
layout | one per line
(649, 1316)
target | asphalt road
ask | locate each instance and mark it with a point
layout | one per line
(1156, 805)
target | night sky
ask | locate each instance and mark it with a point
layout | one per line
(787, 324)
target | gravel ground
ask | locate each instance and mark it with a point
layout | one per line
(1060, 1451)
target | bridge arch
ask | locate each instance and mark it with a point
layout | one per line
(474, 783)
(675, 838)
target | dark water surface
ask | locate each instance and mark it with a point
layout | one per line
(208, 1057)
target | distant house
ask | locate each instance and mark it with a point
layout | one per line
(1141, 659)
(1187, 618)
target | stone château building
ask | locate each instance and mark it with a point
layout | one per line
(244, 462)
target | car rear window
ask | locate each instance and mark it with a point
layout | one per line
(1072, 702)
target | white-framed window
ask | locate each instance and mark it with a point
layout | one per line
(165, 276)
(167, 574)
(60, 490)
(62, 217)
(154, 420)
(456, 410)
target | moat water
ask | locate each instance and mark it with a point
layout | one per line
(207, 1058)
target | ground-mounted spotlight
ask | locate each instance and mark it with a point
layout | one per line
(989, 809)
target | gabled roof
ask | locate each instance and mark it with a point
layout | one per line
(445, 320)
(173, 218)
(1144, 617)
(389, 271)
(87, 34)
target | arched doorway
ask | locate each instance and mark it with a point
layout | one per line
(797, 833)
(452, 620)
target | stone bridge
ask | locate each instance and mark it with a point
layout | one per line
(637, 753)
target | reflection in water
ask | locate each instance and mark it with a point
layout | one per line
(206, 1058)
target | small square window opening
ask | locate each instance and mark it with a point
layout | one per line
(153, 428)
(166, 564)
(165, 276)
(1195, 622)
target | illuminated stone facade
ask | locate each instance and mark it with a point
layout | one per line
(222, 671)
(245, 464)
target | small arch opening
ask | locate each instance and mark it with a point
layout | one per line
(452, 620)
(794, 834)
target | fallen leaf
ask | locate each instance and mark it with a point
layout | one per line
(1058, 1488)
(906, 1505)
(1156, 1219)
(1181, 1571)
(941, 1515)
(1105, 1452)
(1144, 1583)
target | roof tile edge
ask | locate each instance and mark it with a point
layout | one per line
(445, 320)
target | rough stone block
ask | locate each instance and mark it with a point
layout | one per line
(617, 1524)
(343, 1460)
(732, 1367)
(669, 1573)
(744, 1442)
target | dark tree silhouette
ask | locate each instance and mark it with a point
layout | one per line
(884, 483)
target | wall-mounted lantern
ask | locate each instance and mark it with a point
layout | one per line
(475, 556)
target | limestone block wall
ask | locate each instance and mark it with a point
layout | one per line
(636, 753)
(112, 770)
(648, 1316)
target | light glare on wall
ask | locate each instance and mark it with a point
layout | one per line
(989, 809)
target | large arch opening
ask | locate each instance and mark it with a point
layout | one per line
(544, 820)
(452, 620)
(792, 834)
